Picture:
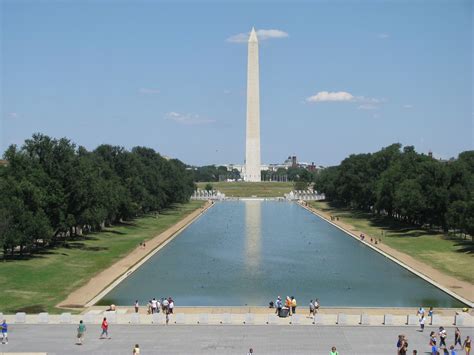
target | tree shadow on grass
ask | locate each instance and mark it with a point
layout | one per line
(82, 246)
(37, 308)
(466, 246)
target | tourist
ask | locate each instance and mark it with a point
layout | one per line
(288, 304)
(293, 304)
(136, 306)
(404, 348)
(430, 313)
(399, 343)
(250, 352)
(105, 329)
(4, 332)
(452, 352)
(311, 308)
(334, 351)
(442, 337)
(149, 306)
(422, 323)
(81, 329)
(432, 343)
(279, 305)
(316, 306)
(171, 305)
(164, 305)
(153, 305)
(421, 311)
(467, 345)
(415, 352)
(136, 350)
(457, 337)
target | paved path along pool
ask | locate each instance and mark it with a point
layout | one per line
(248, 252)
(60, 339)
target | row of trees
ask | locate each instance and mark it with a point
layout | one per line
(51, 189)
(407, 186)
(212, 173)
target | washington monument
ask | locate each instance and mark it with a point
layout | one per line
(252, 143)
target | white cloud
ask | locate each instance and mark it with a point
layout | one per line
(365, 103)
(148, 91)
(367, 107)
(408, 106)
(188, 118)
(383, 36)
(262, 35)
(324, 96)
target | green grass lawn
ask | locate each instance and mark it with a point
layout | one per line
(249, 189)
(39, 283)
(453, 256)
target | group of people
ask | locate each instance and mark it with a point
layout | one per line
(166, 305)
(442, 335)
(290, 305)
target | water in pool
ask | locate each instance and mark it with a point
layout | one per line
(249, 252)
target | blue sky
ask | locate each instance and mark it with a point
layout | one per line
(336, 77)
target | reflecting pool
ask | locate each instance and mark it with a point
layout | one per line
(248, 252)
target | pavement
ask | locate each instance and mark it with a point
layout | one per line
(219, 339)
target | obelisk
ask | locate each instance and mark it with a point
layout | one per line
(252, 143)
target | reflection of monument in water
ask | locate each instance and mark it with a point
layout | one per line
(253, 234)
(252, 142)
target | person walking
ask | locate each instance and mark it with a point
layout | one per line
(404, 348)
(293, 305)
(434, 347)
(81, 329)
(452, 351)
(334, 351)
(171, 305)
(311, 308)
(442, 337)
(467, 345)
(105, 329)
(4, 332)
(164, 305)
(316, 306)
(457, 337)
(250, 352)
(422, 323)
(279, 305)
(137, 306)
(136, 350)
(153, 305)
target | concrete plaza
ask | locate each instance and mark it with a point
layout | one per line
(223, 339)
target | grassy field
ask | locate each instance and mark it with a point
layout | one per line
(453, 256)
(42, 281)
(250, 189)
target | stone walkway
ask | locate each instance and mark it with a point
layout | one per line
(60, 339)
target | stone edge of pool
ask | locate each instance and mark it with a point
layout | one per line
(392, 258)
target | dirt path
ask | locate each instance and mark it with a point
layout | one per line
(459, 287)
(97, 284)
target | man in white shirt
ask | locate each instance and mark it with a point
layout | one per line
(153, 305)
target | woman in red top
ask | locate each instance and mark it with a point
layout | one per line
(105, 329)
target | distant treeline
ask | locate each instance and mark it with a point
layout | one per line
(52, 190)
(407, 186)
